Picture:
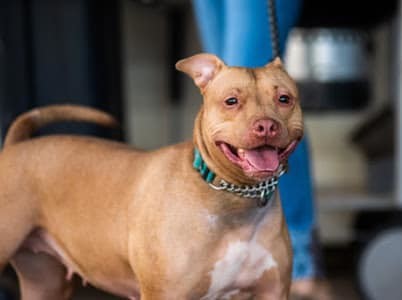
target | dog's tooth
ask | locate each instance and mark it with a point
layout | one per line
(240, 152)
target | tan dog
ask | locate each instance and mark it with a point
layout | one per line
(148, 224)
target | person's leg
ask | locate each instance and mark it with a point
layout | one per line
(237, 31)
(209, 17)
(247, 38)
(297, 200)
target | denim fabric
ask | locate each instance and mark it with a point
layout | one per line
(238, 32)
(303, 254)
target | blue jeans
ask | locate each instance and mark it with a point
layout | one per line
(238, 32)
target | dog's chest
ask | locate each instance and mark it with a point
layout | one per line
(239, 265)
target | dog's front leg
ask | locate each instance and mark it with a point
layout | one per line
(274, 285)
(159, 295)
(279, 294)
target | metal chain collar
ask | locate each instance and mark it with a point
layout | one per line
(262, 191)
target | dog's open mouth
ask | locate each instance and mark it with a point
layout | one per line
(260, 161)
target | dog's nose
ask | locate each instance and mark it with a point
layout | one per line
(266, 128)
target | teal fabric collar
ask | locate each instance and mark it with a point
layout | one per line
(262, 191)
(200, 165)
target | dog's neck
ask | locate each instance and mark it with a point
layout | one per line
(262, 192)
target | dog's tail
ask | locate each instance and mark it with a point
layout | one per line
(26, 124)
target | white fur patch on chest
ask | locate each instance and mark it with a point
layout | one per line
(241, 266)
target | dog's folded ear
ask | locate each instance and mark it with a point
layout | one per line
(201, 67)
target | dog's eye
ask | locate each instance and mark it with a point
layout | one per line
(231, 101)
(284, 99)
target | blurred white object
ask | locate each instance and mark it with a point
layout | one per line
(331, 66)
(327, 54)
(380, 266)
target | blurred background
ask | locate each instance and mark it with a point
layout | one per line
(119, 56)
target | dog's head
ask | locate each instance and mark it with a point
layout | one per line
(251, 119)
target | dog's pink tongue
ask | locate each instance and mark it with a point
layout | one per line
(263, 159)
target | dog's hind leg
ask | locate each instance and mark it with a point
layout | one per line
(16, 222)
(18, 210)
(41, 276)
